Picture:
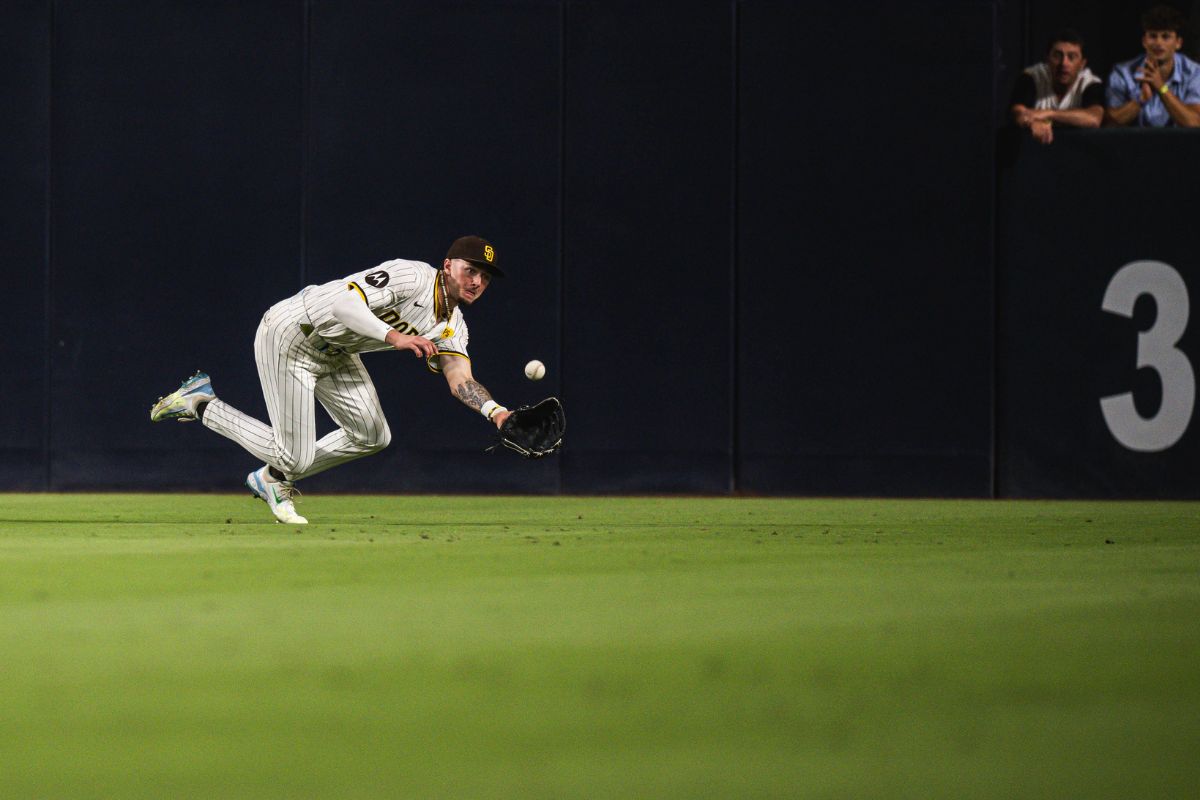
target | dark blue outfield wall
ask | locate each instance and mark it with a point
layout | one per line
(738, 282)
(1097, 345)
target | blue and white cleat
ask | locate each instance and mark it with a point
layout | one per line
(181, 403)
(278, 495)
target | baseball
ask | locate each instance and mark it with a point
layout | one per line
(535, 370)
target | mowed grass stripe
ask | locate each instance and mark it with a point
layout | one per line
(597, 647)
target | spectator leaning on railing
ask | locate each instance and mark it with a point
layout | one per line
(1060, 90)
(1160, 88)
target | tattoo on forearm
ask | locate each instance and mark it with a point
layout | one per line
(473, 394)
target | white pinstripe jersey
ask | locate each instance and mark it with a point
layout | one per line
(404, 295)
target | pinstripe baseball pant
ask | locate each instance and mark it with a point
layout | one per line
(294, 376)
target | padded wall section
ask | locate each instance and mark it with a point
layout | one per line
(176, 184)
(647, 237)
(430, 120)
(24, 90)
(740, 274)
(1098, 289)
(865, 249)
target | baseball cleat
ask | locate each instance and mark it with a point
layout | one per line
(181, 403)
(277, 495)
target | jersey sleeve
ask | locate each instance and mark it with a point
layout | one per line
(356, 315)
(1024, 91)
(1191, 89)
(389, 283)
(451, 341)
(1120, 89)
(1093, 95)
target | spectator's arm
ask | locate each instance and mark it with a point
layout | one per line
(1122, 98)
(1033, 120)
(1088, 117)
(1022, 115)
(1022, 101)
(1184, 115)
(1122, 114)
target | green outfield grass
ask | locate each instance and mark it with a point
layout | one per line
(442, 647)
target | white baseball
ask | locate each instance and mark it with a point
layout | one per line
(535, 370)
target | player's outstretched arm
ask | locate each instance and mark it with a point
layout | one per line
(422, 347)
(473, 394)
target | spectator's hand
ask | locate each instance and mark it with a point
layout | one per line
(1042, 130)
(1031, 115)
(1150, 78)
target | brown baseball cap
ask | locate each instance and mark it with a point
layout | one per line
(478, 251)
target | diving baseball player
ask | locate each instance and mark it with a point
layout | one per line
(308, 349)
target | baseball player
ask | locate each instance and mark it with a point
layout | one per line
(308, 347)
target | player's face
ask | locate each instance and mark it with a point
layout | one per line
(1065, 61)
(465, 282)
(1161, 45)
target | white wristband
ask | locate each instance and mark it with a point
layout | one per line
(491, 408)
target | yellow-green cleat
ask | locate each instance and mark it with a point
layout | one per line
(181, 403)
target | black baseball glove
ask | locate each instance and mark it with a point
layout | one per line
(535, 431)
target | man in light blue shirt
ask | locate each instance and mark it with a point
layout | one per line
(1161, 88)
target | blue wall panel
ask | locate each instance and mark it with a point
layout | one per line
(176, 221)
(24, 72)
(865, 249)
(647, 246)
(1074, 216)
(432, 120)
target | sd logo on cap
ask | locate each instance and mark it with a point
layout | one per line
(478, 251)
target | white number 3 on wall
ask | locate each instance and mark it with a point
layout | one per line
(1155, 349)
